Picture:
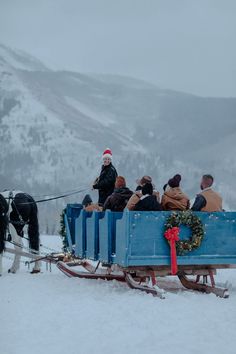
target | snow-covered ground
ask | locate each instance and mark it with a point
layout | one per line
(50, 313)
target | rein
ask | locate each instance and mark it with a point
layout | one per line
(29, 249)
(49, 199)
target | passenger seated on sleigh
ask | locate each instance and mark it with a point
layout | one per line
(117, 201)
(208, 200)
(138, 193)
(88, 204)
(147, 201)
(173, 197)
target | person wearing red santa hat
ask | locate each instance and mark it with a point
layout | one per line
(105, 183)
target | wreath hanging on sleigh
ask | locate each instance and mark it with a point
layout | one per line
(62, 231)
(186, 218)
(172, 228)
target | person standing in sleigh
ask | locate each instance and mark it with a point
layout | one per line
(105, 183)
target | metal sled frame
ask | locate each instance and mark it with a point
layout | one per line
(145, 282)
(146, 279)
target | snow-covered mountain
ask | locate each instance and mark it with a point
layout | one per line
(54, 126)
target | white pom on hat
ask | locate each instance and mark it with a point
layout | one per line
(107, 153)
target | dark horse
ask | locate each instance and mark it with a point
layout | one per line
(18, 209)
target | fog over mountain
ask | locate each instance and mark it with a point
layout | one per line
(54, 126)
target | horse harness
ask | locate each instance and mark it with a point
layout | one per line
(21, 221)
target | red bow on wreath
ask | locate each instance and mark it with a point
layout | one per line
(172, 235)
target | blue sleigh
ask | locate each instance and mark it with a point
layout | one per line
(131, 247)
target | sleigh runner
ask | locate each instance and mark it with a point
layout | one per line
(131, 247)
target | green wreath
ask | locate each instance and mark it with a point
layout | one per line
(189, 219)
(62, 231)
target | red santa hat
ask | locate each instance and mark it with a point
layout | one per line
(107, 153)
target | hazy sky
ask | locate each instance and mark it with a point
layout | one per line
(187, 45)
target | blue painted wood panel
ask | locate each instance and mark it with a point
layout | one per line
(72, 213)
(68, 233)
(147, 245)
(137, 238)
(105, 227)
(78, 236)
(81, 234)
(92, 235)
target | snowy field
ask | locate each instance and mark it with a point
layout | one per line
(51, 313)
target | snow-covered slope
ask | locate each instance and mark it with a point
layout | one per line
(19, 59)
(54, 126)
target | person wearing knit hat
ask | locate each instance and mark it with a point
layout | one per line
(107, 154)
(118, 199)
(147, 201)
(138, 192)
(87, 200)
(88, 204)
(173, 197)
(175, 181)
(105, 183)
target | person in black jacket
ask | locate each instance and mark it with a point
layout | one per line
(118, 199)
(148, 201)
(105, 183)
